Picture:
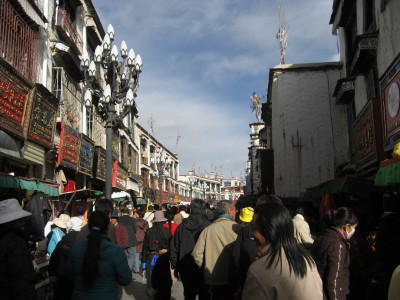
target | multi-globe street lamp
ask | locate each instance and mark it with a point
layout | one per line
(163, 163)
(117, 95)
(191, 181)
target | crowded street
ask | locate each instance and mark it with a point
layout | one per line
(199, 150)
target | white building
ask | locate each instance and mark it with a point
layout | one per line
(309, 131)
(232, 188)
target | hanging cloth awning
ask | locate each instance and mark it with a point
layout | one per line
(30, 184)
(347, 184)
(388, 173)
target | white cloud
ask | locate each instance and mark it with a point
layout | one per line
(203, 59)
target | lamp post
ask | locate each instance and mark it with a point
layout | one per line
(163, 164)
(191, 180)
(117, 95)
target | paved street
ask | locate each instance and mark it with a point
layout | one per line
(137, 289)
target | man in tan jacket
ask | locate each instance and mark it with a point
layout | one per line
(213, 250)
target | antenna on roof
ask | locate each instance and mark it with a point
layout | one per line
(282, 35)
(151, 122)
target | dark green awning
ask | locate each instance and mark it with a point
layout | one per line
(350, 185)
(389, 173)
(11, 182)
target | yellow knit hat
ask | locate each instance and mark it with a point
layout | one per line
(246, 214)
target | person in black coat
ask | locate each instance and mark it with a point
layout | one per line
(182, 245)
(60, 267)
(17, 276)
(130, 225)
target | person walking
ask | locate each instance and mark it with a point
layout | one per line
(98, 264)
(301, 228)
(284, 269)
(57, 232)
(213, 249)
(149, 215)
(182, 245)
(130, 225)
(155, 259)
(244, 252)
(106, 206)
(142, 226)
(60, 266)
(17, 276)
(121, 233)
(331, 252)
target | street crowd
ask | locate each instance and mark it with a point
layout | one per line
(263, 251)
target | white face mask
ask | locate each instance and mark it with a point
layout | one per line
(350, 234)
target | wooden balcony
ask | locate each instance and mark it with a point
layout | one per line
(18, 42)
(67, 30)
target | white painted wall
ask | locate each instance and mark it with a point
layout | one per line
(389, 35)
(307, 149)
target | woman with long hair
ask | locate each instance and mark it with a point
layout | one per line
(331, 252)
(98, 264)
(284, 269)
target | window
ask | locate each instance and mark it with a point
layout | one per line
(369, 16)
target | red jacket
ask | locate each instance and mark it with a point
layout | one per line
(122, 236)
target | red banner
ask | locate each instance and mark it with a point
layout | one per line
(119, 176)
(13, 101)
(70, 144)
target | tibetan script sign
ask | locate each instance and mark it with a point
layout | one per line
(100, 164)
(43, 117)
(86, 155)
(367, 132)
(120, 176)
(70, 144)
(13, 100)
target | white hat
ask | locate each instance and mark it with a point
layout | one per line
(75, 224)
(10, 210)
(61, 221)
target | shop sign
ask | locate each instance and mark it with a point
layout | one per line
(367, 132)
(86, 155)
(100, 164)
(42, 118)
(120, 176)
(70, 144)
(115, 145)
(391, 97)
(13, 101)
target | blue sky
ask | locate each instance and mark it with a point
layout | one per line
(203, 59)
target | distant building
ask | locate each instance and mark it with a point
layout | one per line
(232, 188)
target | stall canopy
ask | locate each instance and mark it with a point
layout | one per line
(121, 196)
(347, 184)
(30, 184)
(388, 173)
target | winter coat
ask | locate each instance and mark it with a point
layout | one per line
(185, 238)
(54, 237)
(302, 230)
(156, 238)
(243, 255)
(331, 254)
(121, 235)
(113, 270)
(17, 276)
(214, 250)
(131, 227)
(41, 211)
(142, 226)
(60, 266)
(278, 282)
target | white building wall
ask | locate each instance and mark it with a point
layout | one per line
(360, 97)
(306, 147)
(389, 35)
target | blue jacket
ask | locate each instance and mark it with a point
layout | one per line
(113, 269)
(56, 234)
